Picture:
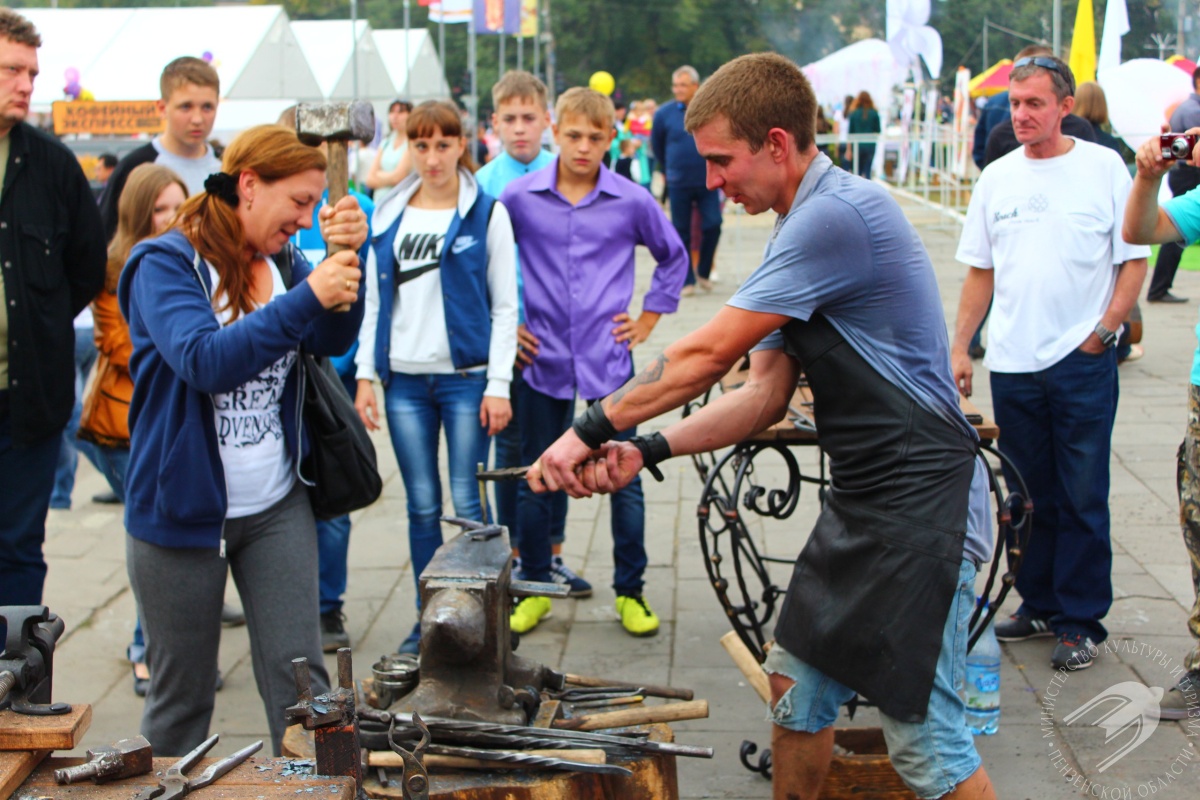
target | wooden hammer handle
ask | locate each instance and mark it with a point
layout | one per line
(669, 692)
(756, 676)
(337, 176)
(669, 712)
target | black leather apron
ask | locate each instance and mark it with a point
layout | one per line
(872, 588)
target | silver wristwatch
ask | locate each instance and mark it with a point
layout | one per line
(1107, 338)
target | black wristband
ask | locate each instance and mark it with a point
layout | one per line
(592, 426)
(655, 449)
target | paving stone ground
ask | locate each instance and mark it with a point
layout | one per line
(88, 586)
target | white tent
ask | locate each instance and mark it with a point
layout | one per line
(422, 77)
(869, 64)
(252, 47)
(328, 45)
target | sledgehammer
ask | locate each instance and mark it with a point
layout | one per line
(337, 124)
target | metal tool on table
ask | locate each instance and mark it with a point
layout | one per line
(176, 784)
(468, 668)
(522, 737)
(414, 781)
(123, 759)
(336, 124)
(332, 719)
(27, 660)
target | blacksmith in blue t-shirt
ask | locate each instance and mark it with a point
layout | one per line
(882, 594)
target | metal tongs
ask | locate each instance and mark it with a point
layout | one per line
(414, 783)
(175, 784)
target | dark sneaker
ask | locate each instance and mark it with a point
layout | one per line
(232, 616)
(412, 643)
(561, 573)
(1074, 651)
(333, 632)
(106, 498)
(1018, 628)
(1179, 700)
(1167, 297)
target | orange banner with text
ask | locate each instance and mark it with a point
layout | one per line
(111, 118)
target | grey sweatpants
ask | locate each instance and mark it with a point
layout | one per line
(273, 557)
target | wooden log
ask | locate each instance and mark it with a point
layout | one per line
(756, 676)
(391, 760)
(15, 766)
(668, 712)
(59, 732)
(669, 692)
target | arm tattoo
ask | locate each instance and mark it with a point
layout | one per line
(651, 374)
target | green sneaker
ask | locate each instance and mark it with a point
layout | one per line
(636, 616)
(528, 613)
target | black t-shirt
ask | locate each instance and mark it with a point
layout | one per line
(1003, 140)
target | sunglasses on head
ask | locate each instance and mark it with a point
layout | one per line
(1040, 61)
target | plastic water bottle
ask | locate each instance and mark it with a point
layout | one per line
(982, 694)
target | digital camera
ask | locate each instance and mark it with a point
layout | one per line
(1177, 146)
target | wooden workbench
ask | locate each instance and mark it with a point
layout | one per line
(258, 778)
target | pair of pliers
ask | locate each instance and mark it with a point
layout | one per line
(175, 784)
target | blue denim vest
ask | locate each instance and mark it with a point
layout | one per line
(465, 296)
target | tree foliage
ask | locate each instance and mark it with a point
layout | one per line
(642, 41)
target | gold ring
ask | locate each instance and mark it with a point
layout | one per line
(349, 286)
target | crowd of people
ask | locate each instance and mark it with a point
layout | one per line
(485, 305)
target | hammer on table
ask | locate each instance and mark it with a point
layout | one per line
(336, 124)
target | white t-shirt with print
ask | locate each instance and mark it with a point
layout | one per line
(420, 344)
(1050, 229)
(254, 454)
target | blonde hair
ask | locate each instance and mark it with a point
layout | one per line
(187, 69)
(135, 214)
(519, 85)
(587, 103)
(212, 225)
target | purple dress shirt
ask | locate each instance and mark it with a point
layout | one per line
(577, 262)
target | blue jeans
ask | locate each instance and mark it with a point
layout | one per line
(508, 454)
(933, 756)
(708, 203)
(27, 478)
(418, 407)
(1056, 426)
(113, 463)
(333, 545)
(543, 420)
(68, 454)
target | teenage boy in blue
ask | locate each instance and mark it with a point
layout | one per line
(577, 225)
(520, 120)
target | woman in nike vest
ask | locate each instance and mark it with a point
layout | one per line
(440, 328)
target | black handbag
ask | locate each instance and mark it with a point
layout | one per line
(340, 467)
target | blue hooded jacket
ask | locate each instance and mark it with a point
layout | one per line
(175, 487)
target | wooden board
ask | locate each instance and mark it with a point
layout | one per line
(62, 732)
(258, 778)
(15, 767)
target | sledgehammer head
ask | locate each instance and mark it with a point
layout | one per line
(335, 122)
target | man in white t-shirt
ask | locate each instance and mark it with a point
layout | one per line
(1043, 232)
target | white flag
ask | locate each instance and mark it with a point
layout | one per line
(1116, 25)
(450, 11)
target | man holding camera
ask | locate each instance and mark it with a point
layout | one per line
(1177, 221)
(1182, 179)
(1043, 232)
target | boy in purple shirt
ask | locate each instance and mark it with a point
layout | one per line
(576, 224)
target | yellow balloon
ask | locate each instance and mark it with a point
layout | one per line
(602, 82)
(86, 95)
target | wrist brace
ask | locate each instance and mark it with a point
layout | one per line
(592, 426)
(654, 449)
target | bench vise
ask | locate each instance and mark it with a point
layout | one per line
(27, 660)
(468, 669)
